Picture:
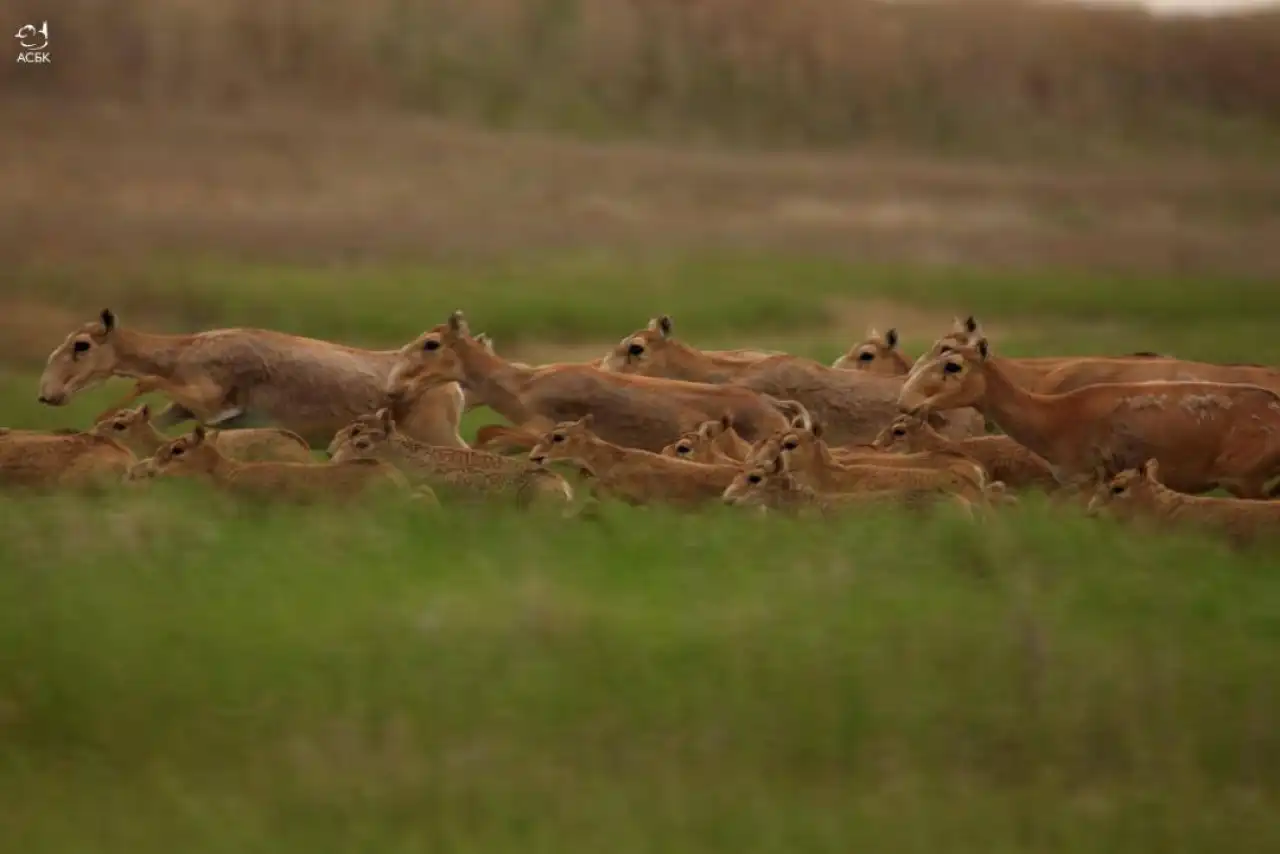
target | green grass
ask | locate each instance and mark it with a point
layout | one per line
(180, 673)
(716, 298)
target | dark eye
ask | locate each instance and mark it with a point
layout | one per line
(866, 357)
(951, 368)
(790, 446)
(682, 449)
(557, 438)
(119, 426)
(899, 431)
(1117, 490)
(636, 349)
(177, 452)
(431, 345)
(753, 478)
(80, 346)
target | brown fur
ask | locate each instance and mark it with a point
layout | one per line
(692, 447)
(505, 439)
(193, 456)
(714, 441)
(1003, 458)
(1205, 435)
(855, 405)
(309, 386)
(878, 354)
(629, 474)
(1093, 370)
(822, 467)
(75, 460)
(637, 412)
(377, 437)
(486, 341)
(1139, 493)
(768, 483)
(650, 348)
(141, 471)
(134, 429)
(1024, 370)
(809, 459)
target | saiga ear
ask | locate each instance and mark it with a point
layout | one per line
(458, 323)
(662, 324)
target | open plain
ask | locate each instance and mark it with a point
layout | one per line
(184, 671)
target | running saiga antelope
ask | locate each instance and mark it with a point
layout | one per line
(133, 429)
(1056, 375)
(1090, 371)
(810, 460)
(224, 377)
(1204, 435)
(469, 471)
(1050, 374)
(73, 460)
(630, 474)
(194, 457)
(637, 412)
(1003, 458)
(877, 354)
(648, 344)
(1139, 494)
(854, 405)
(487, 340)
(767, 483)
(712, 442)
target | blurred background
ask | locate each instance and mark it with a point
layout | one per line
(771, 171)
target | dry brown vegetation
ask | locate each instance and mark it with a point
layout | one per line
(301, 131)
(992, 73)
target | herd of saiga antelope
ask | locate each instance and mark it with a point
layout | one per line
(658, 420)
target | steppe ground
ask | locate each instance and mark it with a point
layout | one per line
(179, 673)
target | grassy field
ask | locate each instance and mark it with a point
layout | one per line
(177, 671)
(575, 305)
(183, 673)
